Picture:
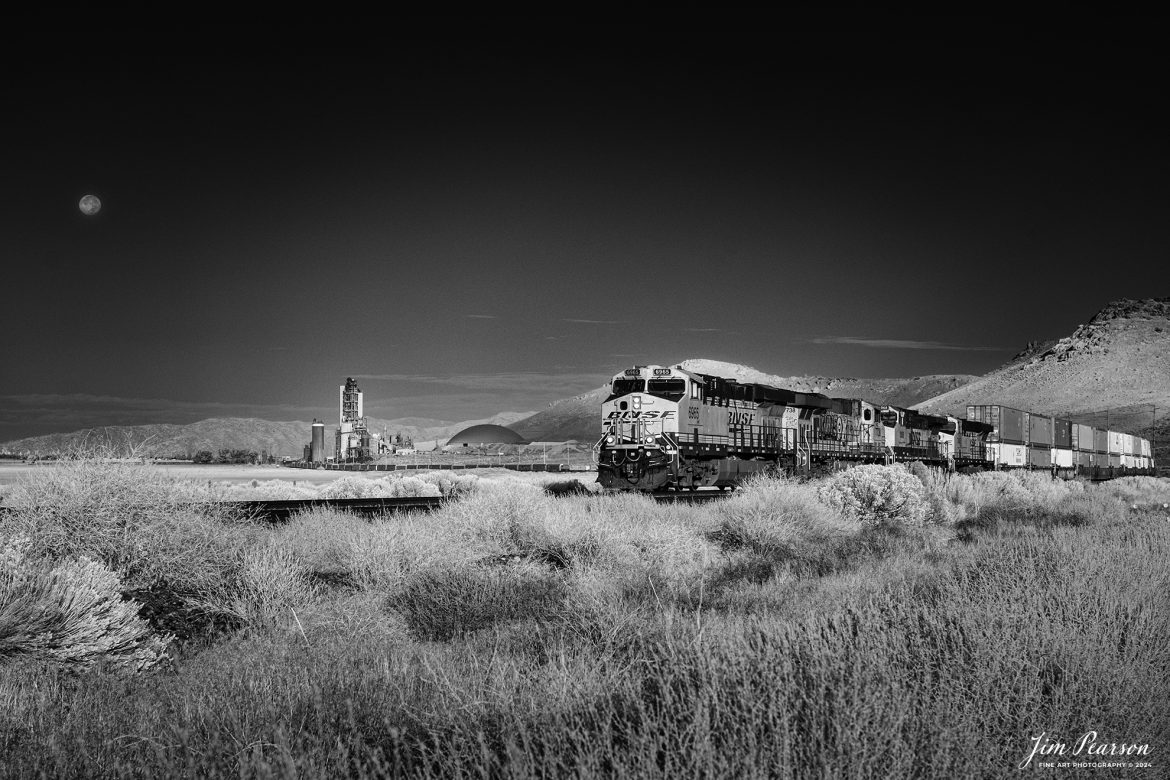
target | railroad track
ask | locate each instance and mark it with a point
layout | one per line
(278, 511)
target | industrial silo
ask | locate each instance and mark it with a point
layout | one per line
(317, 448)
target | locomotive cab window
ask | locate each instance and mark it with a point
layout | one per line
(889, 418)
(869, 415)
(694, 389)
(627, 386)
(670, 389)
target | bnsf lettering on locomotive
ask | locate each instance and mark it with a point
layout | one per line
(644, 415)
(739, 418)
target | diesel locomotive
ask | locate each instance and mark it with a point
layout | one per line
(669, 428)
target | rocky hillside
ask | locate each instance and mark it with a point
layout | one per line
(1113, 371)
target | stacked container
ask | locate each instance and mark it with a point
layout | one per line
(1007, 443)
(1062, 449)
(1039, 441)
(1127, 453)
(1082, 444)
(1101, 447)
(1115, 446)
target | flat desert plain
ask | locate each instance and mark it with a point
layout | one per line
(13, 472)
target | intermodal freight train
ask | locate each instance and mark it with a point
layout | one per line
(669, 428)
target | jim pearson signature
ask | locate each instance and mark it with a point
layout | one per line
(1088, 745)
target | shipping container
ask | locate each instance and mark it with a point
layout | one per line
(1062, 457)
(1114, 460)
(1008, 455)
(1040, 457)
(1062, 434)
(1084, 459)
(1129, 461)
(1100, 441)
(1082, 438)
(1116, 443)
(1008, 424)
(1129, 444)
(1039, 430)
(1146, 447)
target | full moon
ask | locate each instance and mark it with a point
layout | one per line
(90, 205)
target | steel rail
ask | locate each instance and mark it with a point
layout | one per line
(281, 510)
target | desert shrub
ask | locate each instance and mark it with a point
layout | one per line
(1145, 492)
(450, 485)
(1002, 499)
(351, 486)
(775, 516)
(876, 495)
(937, 484)
(413, 486)
(1023, 492)
(434, 484)
(70, 613)
(377, 553)
(141, 524)
(269, 586)
(503, 516)
(567, 487)
(269, 490)
(441, 604)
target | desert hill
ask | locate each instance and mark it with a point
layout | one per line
(1113, 371)
(277, 438)
(576, 418)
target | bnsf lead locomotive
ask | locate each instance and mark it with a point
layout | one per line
(668, 428)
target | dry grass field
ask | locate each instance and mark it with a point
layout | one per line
(884, 622)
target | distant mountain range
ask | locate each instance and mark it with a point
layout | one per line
(1113, 372)
(244, 433)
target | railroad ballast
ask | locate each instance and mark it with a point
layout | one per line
(666, 427)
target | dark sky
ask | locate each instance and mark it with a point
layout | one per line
(473, 229)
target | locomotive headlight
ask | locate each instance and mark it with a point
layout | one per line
(649, 439)
(609, 440)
